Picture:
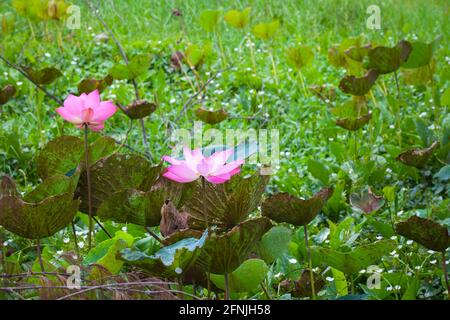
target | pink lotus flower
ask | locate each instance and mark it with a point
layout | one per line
(87, 109)
(213, 168)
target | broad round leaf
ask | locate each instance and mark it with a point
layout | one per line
(366, 201)
(238, 19)
(274, 243)
(140, 109)
(210, 116)
(417, 157)
(224, 253)
(43, 76)
(283, 207)
(427, 232)
(300, 56)
(359, 86)
(227, 204)
(354, 261)
(115, 173)
(387, 60)
(143, 208)
(7, 93)
(245, 278)
(266, 31)
(170, 261)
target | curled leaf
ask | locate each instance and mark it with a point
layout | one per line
(359, 86)
(43, 76)
(140, 109)
(210, 116)
(427, 232)
(228, 204)
(224, 253)
(171, 261)
(387, 60)
(7, 93)
(238, 19)
(366, 201)
(283, 207)
(417, 157)
(89, 85)
(266, 31)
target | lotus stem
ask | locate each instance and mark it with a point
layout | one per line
(397, 85)
(154, 235)
(444, 268)
(39, 254)
(88, 178)
(77, 250)
(102, 227)
(227, 288)
(308, 251)
(204, 201)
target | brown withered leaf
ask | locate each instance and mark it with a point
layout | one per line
(417, 157)
(427, 232)
(172, 220)
(366, 200)
(140, 109)
(283, 207)
(359, 86)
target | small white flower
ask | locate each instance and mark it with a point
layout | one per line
(66, 240)
(330, 279)
(409, 242)
(124, 229)
(394, 238)
(433, 261)
(293, 260)
(178, 270)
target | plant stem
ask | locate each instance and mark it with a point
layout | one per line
(311, 275)
(77, 250)
(397, 85)
(88, 178)
(204, 201)
(274, 67)
(102, 227)
(39, 254)
(154, 235)
(227, 288)
(444, 268)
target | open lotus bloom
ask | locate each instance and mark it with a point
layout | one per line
(214, 168)
(87, 109)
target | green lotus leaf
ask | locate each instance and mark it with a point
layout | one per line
(245, 278)
(366, 201)
(136, 66)
(353, 124)
(238, 19)
(43, 76)
(170, 261)
(283, 207)
(421, 54)
(57, 184)
(209, 19)
(337, 55)
(64, 154)
(324, 92)
(274, 243)
(419, 76)
(266, 31)
(105, 253)
(37, 220)
(358, 53)
(359, 86)
(211, 116)
(89, 85)
(300, 56)
(417, 157)
(7, 93)
(224, 253)
(387, 60)
(196, 55)
(427, 232)
(354, 261)
(227, 204)
(142, 208)
(115, 173)
(140, 109)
